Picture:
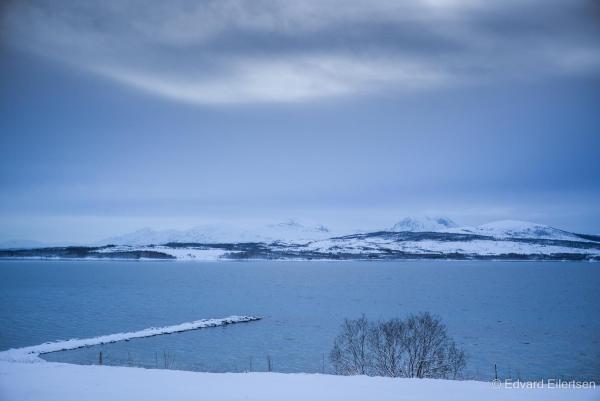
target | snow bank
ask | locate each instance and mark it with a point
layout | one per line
(64, 382)
(31, 354)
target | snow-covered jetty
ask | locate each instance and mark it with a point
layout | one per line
(31, 354)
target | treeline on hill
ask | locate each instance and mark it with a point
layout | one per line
(81, 252)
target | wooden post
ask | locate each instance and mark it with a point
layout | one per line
(269, 367)
(495, 372)
(100, 358)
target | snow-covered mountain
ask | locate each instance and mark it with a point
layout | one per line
(496, 229)
(199, 234)
(519, 229)
(423, 224)
(294, 231)
(289, 230)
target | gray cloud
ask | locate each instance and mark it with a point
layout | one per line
(217, 52)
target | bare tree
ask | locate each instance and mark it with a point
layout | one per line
(418, 346)
(350, 354)
(457, 360)
(386, 345)
(426, 345)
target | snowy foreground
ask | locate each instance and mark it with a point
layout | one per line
(65, 382)
(24, 376)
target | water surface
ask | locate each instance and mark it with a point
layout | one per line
(533, 319)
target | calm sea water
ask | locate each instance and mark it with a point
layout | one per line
(533, 319)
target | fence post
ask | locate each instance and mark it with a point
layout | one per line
(100, 358)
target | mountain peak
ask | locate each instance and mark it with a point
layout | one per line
(289, 223)
(423, 224)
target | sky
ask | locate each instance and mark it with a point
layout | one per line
(118, 115)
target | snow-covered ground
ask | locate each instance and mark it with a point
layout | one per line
(31, 354)
(65, 382)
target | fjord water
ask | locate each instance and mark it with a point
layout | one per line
(532, 319)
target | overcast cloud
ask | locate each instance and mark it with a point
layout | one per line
(115, 115)
(215, 52)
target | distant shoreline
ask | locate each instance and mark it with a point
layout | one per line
(227, 260)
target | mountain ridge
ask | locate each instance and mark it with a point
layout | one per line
(506, 240)
(288, 230)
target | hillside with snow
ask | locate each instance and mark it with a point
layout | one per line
(495, 229)
(520, 229)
